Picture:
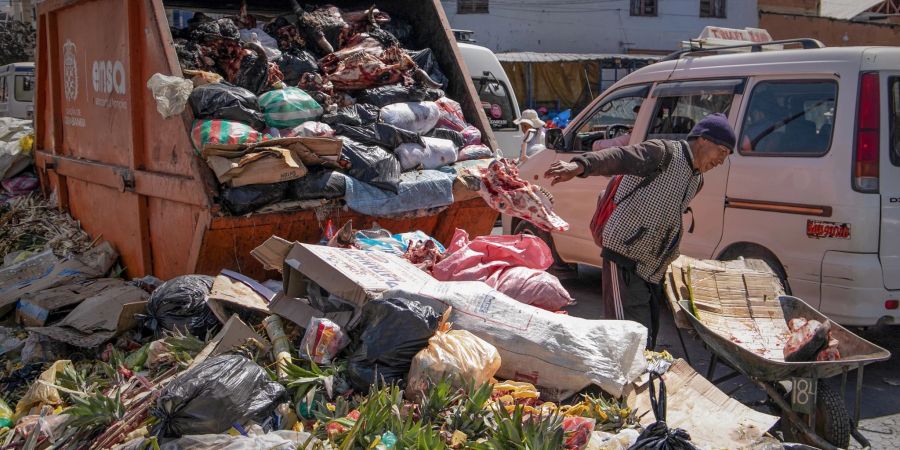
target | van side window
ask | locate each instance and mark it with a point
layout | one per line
(496, 101)
(4, 96)
(895, 121)
(24, 91)
(793, 118)
(611, 122)
(676, 115)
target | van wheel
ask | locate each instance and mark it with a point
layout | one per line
(559, 266)
(755, 252)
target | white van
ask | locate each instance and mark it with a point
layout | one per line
(17, 90)
(813, 187)
(496, 94)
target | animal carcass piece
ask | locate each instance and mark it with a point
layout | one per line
(504, 191)
(807, 338)
(423, 254)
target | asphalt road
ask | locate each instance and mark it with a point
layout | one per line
(880, 409)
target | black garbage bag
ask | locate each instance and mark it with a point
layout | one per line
(426, 61)
(381, 134)
(356, 115)
(395, 93)
(246, 199)
(451, 135)
(658, 436)
(223, 101)
(371, 164)
(293, 66)
(215, 29)
(402, 29)
(213, 395)
(253, 73)
(390, 334)
(318, 183)
(180, 303)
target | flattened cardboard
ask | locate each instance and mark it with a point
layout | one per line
(234, 334)
(271, 165)
(99, 318)
(34, 309)
(44, 271)
(712, 418)
(228, 294)
(353, 275)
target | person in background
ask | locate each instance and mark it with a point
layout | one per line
(642, 235)
(533, 134)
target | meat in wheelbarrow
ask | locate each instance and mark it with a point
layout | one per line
(807, 338)
(830, 352)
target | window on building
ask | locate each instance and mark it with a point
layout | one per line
(472, 6)
(712, 8)
(793, 118)
(643, 7)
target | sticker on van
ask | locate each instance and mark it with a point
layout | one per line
(819, 229)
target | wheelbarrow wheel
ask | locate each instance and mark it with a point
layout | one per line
(832, 419)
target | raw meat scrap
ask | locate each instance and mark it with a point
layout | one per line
(504, 191)
(830, 352)
(806, 339)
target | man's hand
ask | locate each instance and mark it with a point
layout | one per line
(563, 171)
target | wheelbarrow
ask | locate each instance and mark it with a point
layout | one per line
(812, 410)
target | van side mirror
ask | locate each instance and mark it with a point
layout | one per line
(554, 140)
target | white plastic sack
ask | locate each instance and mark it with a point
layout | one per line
(559, 353)
(171, 93)
(309, 129)
(435, 154)
(276, 440)
(261, 38)
(13, 158)
(418, 117)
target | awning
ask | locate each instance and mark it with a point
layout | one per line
(845, 9)
(538, 57)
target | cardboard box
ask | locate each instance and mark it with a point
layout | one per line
(299, 311)
(353, 275)
(271, 165)
(723, 423)
(234, 334)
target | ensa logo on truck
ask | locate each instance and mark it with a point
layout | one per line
(109, 77)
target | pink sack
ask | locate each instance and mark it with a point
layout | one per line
(532, 287)
(514, 265)
(478, 259)
(471, 135)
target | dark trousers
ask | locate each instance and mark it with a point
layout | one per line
(627, 296)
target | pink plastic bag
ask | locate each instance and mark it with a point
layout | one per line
(514, 265)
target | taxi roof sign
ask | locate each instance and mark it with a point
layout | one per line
(712, 37)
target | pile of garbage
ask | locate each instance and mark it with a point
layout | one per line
(17, 176)
(320, 104)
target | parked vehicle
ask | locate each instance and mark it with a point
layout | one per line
(813, 187)
(496, 95)
(17, 90)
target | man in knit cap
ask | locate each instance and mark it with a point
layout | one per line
(640, 238)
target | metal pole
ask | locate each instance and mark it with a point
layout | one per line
(859, 382)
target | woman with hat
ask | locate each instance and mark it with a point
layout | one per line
(533, 130)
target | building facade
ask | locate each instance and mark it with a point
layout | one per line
(595, 26)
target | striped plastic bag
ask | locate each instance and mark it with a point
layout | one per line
(215, 131)
(288, 107)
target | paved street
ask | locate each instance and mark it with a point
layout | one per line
(880, 417)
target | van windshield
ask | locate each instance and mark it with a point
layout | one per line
(496, 101)
(24, 90)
